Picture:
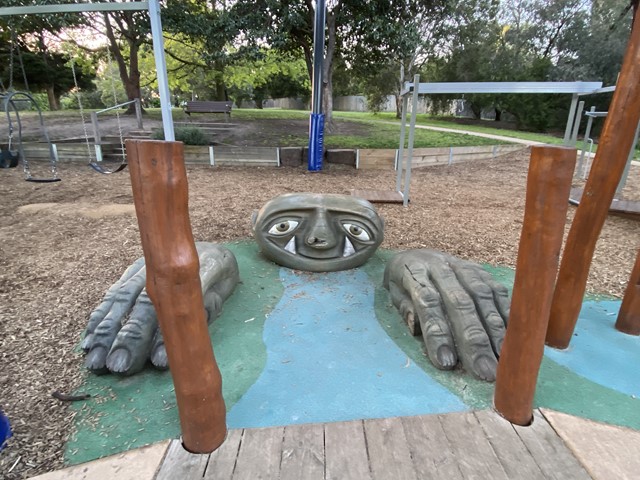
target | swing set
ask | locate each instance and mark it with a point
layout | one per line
(10, 156)
(14, 152)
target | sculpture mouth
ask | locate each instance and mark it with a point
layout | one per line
(347, 251)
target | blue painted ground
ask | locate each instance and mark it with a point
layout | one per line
(329, 360)
(599, 352)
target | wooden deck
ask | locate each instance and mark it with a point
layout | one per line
(378, 196)
(628, 208)
(479, 445)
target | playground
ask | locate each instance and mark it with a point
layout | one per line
(64, 244)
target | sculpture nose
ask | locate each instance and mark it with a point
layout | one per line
(320, 235)
(316, 242)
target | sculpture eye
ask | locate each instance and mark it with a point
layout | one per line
(283, 227)
(357, 232)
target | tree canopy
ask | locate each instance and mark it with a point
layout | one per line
(256, 49)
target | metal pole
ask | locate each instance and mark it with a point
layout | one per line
(403, 128)
(576, 124)
(587, 133)
(316, 123)
(161, 70)
(572, 112)
(625, 173)
(412, 130)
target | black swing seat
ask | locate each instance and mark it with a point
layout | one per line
(9, 159)
(100, 169)
(43, 180)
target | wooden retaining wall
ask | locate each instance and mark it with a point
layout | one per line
(256, 156)
(424, 157)
(269, 156)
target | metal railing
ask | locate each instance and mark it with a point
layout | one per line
(96, 124)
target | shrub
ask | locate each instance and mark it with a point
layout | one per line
(186, 135)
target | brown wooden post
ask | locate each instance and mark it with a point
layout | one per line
(159, 182)
(548, 187)
(609, 163)
(629, 316)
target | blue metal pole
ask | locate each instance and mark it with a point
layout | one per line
(316, 122)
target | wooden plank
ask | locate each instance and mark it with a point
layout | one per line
(259, 455)
(389, 457)
(606, 451)
(622, 207)
(303, 453)
(378, 196)
(222, 462)
(550, 453)
(346, 451)
(508, 447)
(430, 450)
(179, 463)
(430, 151)
(476, 458)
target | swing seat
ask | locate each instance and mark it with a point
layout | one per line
(43, 180)
(9, 159)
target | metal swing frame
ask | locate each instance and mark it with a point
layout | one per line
(153, 8)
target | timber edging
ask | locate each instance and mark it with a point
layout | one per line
(365, 159)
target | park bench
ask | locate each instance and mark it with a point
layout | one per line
(208, 106)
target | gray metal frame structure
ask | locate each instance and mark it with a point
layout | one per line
(410, 90)
(153, 7)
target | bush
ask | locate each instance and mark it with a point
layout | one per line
(186, 135)
(90, 100)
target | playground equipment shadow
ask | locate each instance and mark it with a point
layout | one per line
(299, 348)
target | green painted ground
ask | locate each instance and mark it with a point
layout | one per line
(126, 413)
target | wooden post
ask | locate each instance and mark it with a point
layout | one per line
(159, 182)
(608, 165)
(548, 187)
(629, 316)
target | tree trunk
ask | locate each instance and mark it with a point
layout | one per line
(53, 99)
(498, 114)
(398, 98)
(327, 72)
(219, 79)
(130, 76)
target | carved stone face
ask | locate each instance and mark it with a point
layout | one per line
(318, 232)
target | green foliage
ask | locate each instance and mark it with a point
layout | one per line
(90, 100)
(110, 86)
(269, 75)
(186, 135)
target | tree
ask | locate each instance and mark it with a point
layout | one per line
(272, 75)
(45, 69)
(205, 31)
(374, 29)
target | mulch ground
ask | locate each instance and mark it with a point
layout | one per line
(63, 244)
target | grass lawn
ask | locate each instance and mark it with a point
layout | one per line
(380, 130)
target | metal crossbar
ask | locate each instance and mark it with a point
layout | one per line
(73, 8)
(502, 87)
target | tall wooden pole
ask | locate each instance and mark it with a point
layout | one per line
(159, 182)
(629, 316)
(609, 163)
(548, 187)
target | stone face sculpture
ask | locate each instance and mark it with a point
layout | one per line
(318, 232)
(459, 309)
